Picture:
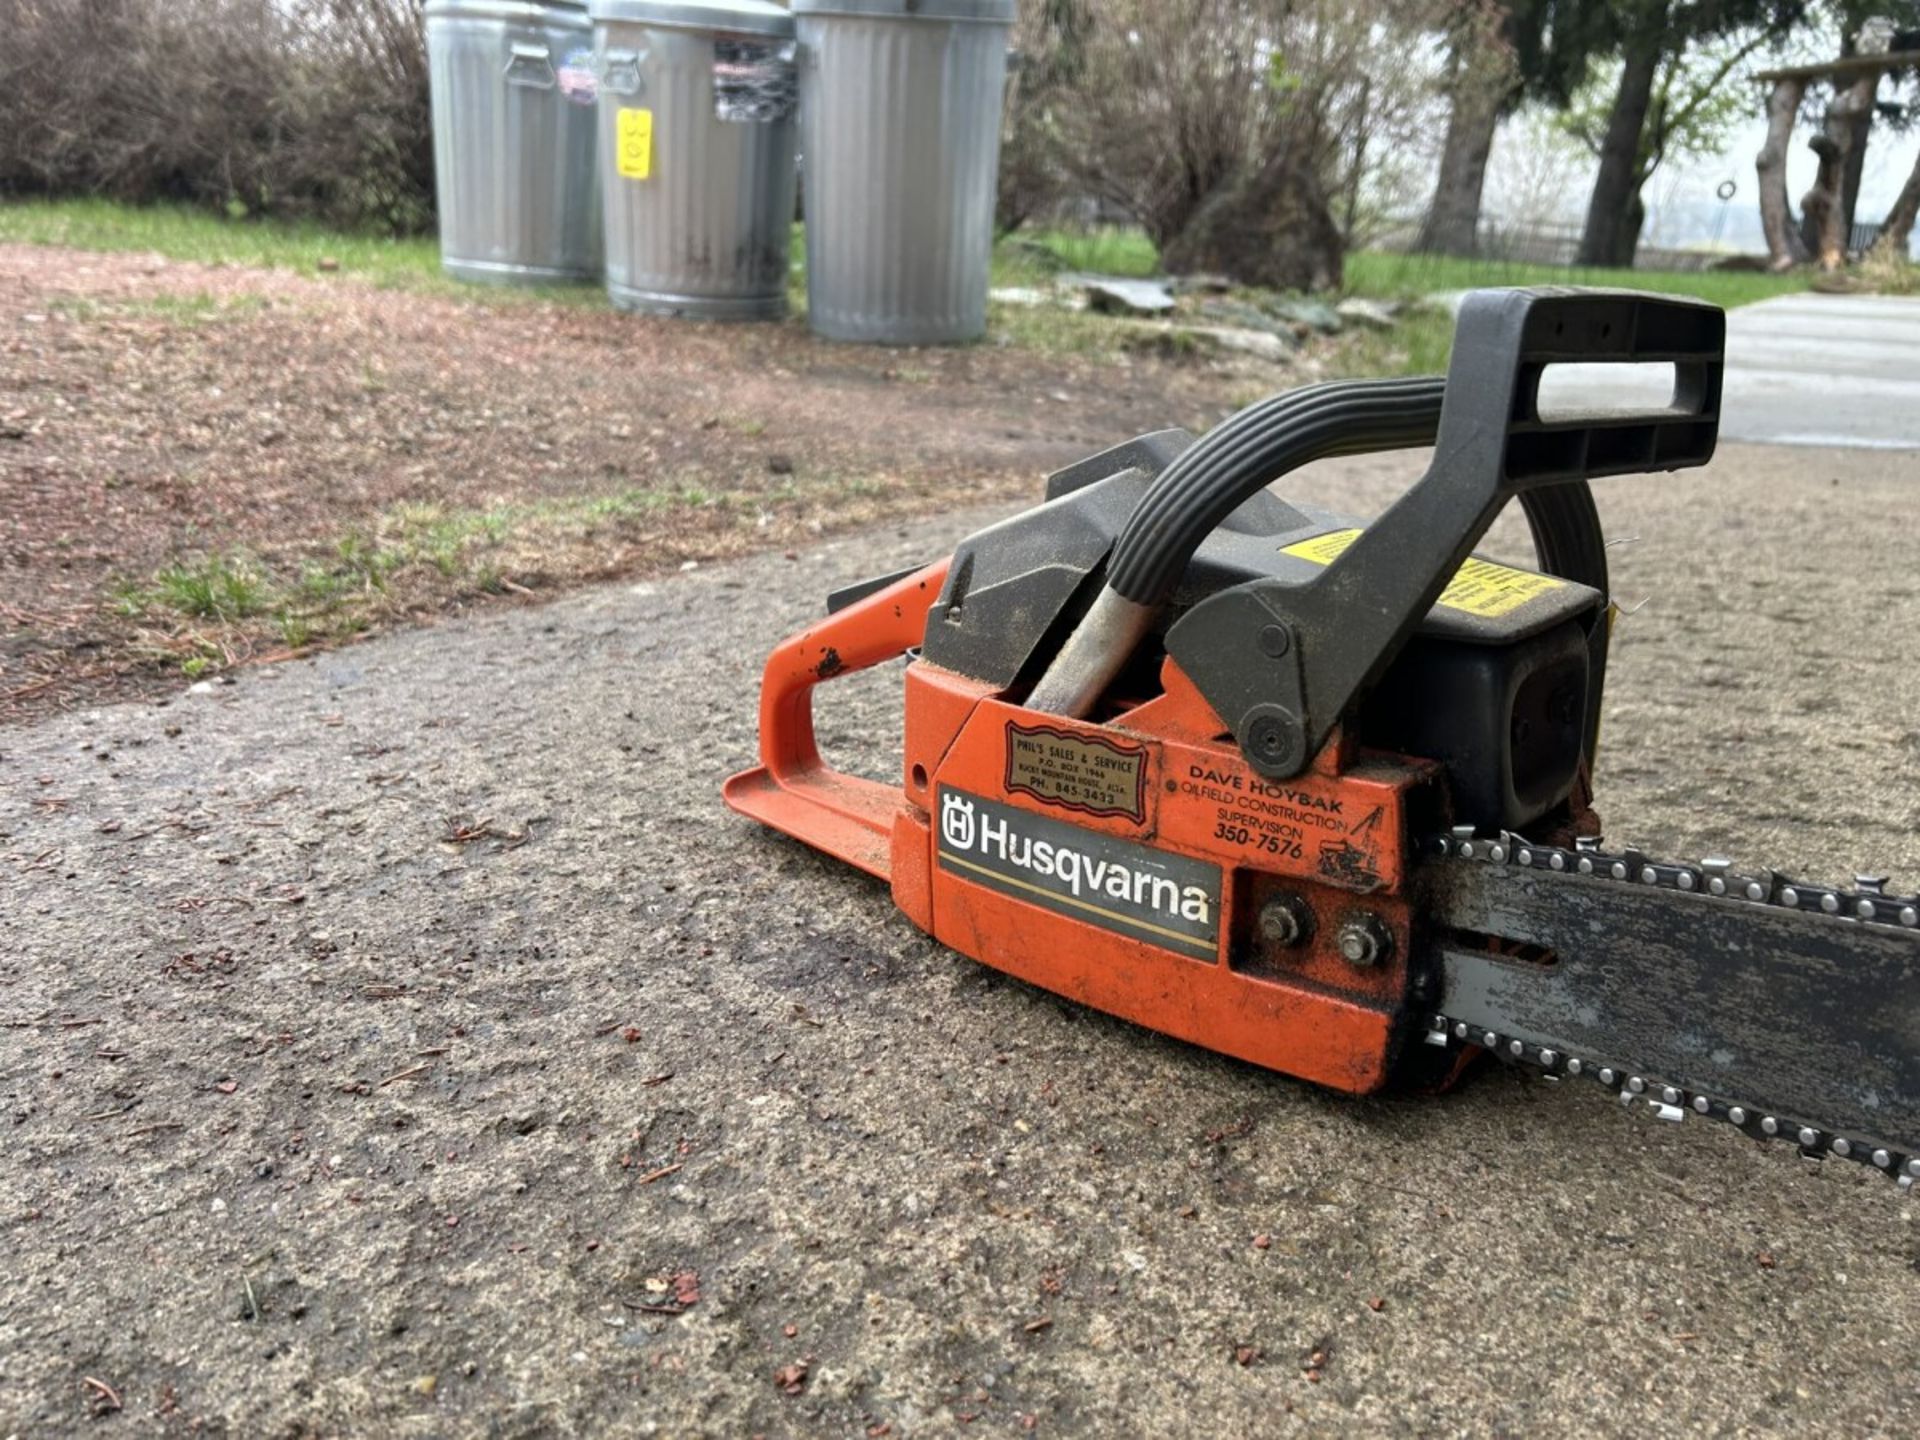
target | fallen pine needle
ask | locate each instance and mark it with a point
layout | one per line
(107, 1392)
(1034, 1327)
(409, 1073)
(157, 1126)
(661, 1173)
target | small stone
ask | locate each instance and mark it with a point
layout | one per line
(426, 1384)
(780, 464)
(1201, 284)
(1111, 295)
(1022, 295)
(1314, 314)
(1375, 314)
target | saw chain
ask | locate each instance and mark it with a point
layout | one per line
(1717, 881)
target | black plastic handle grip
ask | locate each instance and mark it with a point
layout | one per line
(1492, 444)
(1251, 450)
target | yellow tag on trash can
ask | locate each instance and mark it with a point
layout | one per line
(635, 150)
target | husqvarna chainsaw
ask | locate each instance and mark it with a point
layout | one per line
(1317, 793)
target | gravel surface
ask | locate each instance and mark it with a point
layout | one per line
(396, 1039)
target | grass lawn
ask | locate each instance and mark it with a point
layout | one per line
(1377, 273)
(181, 233)
(414, 263)
(1418, 345)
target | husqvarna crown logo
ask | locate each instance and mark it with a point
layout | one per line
(956, 820)
(1138, 891)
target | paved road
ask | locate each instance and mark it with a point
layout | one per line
(1832, 370)
(333, 1107)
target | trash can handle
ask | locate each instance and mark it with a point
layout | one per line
(531, 66)
(620, 72)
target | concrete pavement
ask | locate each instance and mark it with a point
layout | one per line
(396, 1039)
(1820, 370)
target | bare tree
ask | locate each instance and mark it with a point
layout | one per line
(1225, 126)
(1483, 82)
(1784, 243)
(1896, 234)
(1500, 52)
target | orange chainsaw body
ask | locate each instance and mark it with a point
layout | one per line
(1124, 864)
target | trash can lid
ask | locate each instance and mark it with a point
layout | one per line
(997, 12)
(733, 17)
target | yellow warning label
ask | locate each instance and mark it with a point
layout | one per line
(635, 151)
(1479, 588)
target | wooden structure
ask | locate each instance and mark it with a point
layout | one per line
(1855, 79)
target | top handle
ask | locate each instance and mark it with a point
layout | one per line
(1506, 340)
(1282, 695)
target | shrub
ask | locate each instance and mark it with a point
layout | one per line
(287, 107)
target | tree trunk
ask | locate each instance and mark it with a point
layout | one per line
(1615, 212)
(1856, 169)
(1784, 244)
(1452, 225)
(1823, 222)
(1897, 234)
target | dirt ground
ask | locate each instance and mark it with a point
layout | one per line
(404, 1041)
(155, 410)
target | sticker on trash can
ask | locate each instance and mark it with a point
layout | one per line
(579, 84)
(635, 150)
(754, 82)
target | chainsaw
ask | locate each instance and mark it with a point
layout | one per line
(1317, 793)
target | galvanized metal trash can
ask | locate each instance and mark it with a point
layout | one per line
(513, 140)
(900, 148)
(698, 120)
